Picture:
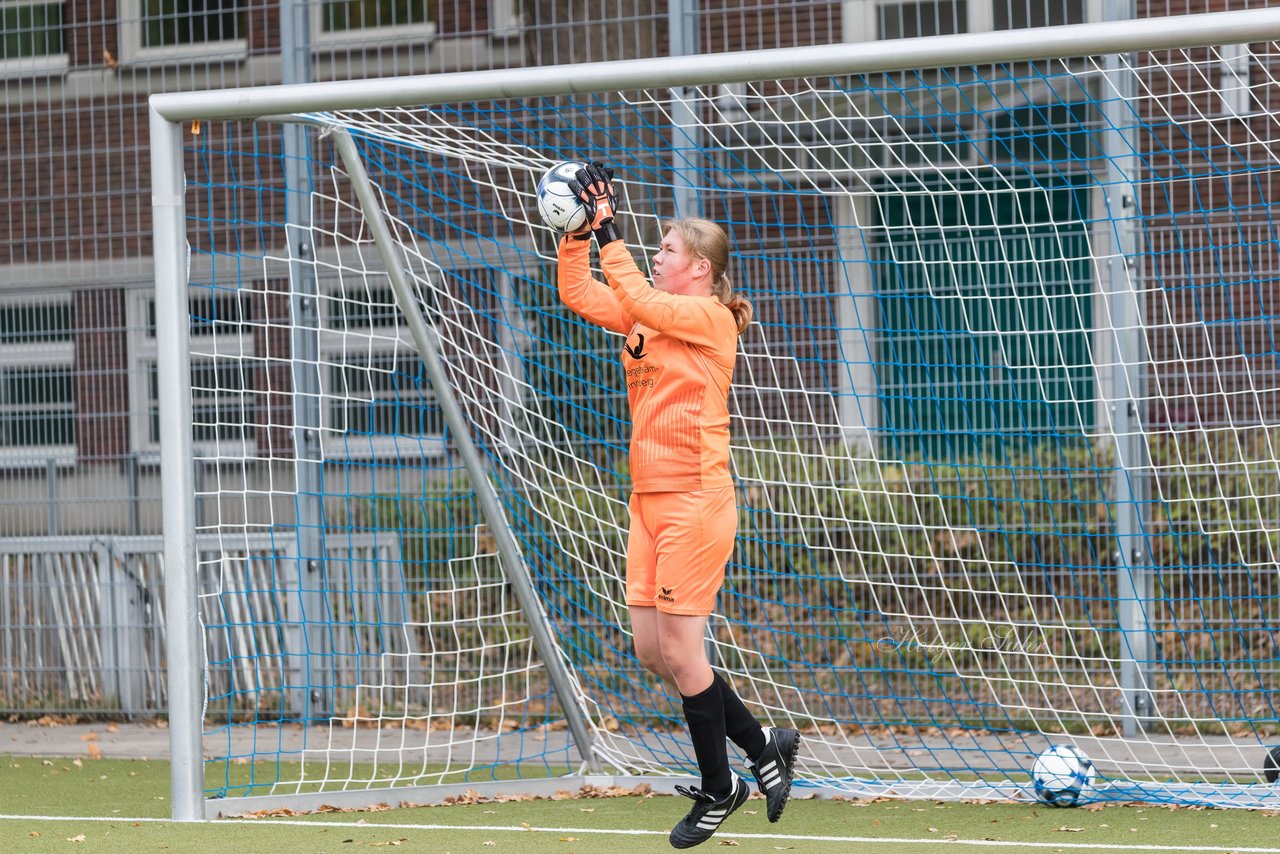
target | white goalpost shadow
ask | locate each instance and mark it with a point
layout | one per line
(1128, 718)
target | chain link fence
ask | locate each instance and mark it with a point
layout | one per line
(81, 628)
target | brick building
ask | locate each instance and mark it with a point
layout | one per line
(78, 430)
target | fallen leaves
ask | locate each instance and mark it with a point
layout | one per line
(355, 715)
(470, 796)
(588, 792)
(381, 843)
(467, 798)
(287, 812)
(382, 807)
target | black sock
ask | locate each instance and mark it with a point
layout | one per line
(705, 714)
(739, 724)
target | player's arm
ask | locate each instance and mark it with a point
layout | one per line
(592, 300)
(702, 322)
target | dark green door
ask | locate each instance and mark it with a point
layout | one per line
(985, 294)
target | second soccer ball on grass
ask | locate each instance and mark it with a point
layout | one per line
(1063, 775)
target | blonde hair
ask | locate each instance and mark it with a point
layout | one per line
(706, 239)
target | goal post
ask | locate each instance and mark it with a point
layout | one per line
(1006, 434)
(185, 663)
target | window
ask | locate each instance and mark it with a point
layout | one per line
(903, 19)
(37, 379)
(169, 23)
(377, 398)
(344, 16)
(216, 314)
(345, 21)
(912, 20)
(35, 324)
(374, 308)
(31, 36)
(37, 406)
(224, 394)
(183, 29)
(222, 401)
(1020, 14)
(383, 394)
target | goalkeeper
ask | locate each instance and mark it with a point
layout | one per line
(682, 337)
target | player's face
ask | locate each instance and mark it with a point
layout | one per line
(676, 270)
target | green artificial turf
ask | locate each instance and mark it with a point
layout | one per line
(136, 789)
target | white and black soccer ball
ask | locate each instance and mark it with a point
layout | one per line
(1063, 776)
(559, 206)
(1271, 765)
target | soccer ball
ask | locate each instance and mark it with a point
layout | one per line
(1062, 775)
(560, 207)
(1271, 765)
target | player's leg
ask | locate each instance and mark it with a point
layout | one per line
(642, 562)
(771, 751)
(740, 725)
(644, 637)
(688, 580)
(681, 637)
(682, 642)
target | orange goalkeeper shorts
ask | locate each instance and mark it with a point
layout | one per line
(677, 549)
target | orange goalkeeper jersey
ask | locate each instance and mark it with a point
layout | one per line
(678, 361)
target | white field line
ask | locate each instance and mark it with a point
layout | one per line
(599, 831)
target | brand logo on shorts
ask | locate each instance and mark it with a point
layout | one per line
(665, 594)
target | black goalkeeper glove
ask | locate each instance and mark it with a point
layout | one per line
(594, 185)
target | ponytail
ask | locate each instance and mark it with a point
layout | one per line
(741, 307)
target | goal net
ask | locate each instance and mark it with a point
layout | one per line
(1006, 432)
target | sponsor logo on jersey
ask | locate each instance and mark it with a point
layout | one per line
(636, 352)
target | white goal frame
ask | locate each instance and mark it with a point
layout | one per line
(168, 113)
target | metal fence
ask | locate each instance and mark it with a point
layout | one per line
(82, 619)
(80, 512)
